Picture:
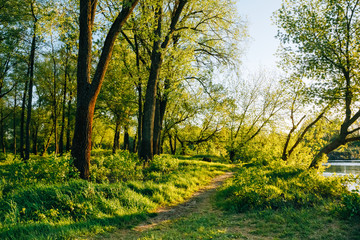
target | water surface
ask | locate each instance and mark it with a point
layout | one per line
(343, 167)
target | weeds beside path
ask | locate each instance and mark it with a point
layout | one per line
(198, 203)
(199, 218)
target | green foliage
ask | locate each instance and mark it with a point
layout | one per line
(122, 166)
(53, 204)
(16, 173)
(163, 164)
(349, 206)
(278, 186)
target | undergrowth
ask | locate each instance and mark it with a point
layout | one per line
(277, 185)
(44, 198)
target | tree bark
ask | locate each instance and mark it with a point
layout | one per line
(126, 138)
(34, 140)
(172, 146)
(68, 127)
(140, 101)
(48, 142)
(159, 119)
(2, 138)
(14, 122)
(61, 140)
(22, 118)
(157, 128)
(54, 103)
(87, 91)
(339, 141)
(116, 143)
(146, 147)
(31, 83)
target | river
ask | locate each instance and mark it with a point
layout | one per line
(343, 167)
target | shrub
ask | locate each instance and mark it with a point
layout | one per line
(163, 163)
(122, 166)
(350, 205)
(277, 186)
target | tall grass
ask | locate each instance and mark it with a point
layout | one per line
(44, 198)
(278, 185)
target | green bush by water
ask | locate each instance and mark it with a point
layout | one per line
(278, 185)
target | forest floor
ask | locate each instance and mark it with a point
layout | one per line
(200, 218)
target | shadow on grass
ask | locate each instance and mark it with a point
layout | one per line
(72, 230)
(202, 157)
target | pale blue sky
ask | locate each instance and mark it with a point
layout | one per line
(260, 49)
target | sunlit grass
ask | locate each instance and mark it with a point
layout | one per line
(31, 208)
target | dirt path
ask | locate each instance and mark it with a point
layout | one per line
(199, 201)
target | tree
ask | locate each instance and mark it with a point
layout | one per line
(87, 91)
(321, 41)
(204, 32)
(257, 99)
(118, 97)
(299, 126)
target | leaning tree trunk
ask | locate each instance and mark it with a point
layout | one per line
(87, 91)
(342, 138)
(339, 141)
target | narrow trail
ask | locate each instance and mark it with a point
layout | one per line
(198, 202)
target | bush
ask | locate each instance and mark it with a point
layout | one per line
(163, 164)
(17, 174)
(349, 207)
(277, 186)
(122, 166)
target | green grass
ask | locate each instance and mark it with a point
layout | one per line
(276, 201)
(51, 203)
(289, 223)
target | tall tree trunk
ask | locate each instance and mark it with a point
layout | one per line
(14, 122)
(61, 140)
(54, 98)
(146, 149)
(2, 137)
(31, 83)
(157, 128)
(22, 119)
(35, 139)
(161, 103)
(87, 91)
(116, 143)
(140, 101)
(172, 146)
(146, 146)
(126, 138)
(48, 142)
(68, 128)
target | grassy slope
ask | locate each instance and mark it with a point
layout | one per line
(65, 210)
(315, 223)
(267, 215)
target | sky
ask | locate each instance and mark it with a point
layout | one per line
(262, 45)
